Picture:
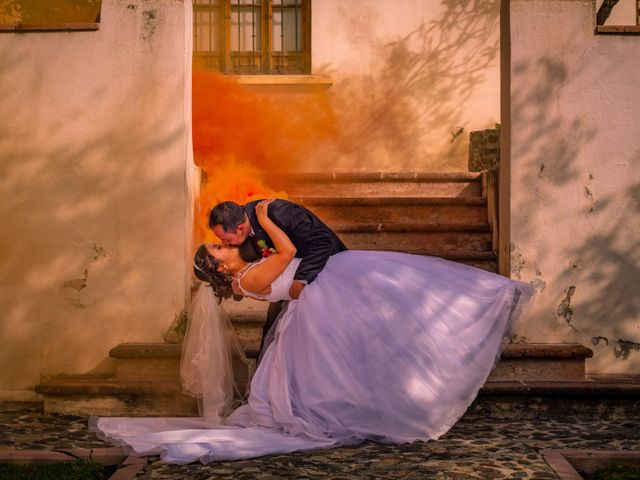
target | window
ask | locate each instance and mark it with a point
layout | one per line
(31, 15)
(252, 36)
(618, 16)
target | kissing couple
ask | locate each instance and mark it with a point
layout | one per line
(358, 345)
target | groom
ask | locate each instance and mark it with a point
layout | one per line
(314, 241)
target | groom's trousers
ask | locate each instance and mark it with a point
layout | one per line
(275, 311)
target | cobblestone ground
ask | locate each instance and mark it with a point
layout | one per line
(473, 449)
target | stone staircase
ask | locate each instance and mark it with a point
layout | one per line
(146, 381)
(450, 215)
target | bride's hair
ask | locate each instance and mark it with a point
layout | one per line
(205, 267)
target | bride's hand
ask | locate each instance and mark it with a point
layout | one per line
(263, 207)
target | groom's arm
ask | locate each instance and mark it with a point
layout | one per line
(315, 242)
(315, 255)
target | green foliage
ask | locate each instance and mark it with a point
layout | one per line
(76, 470)
(617, 472)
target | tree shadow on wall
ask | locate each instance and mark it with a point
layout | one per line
(603, 251)
(413, 107)
(88, 192)
(614, 302)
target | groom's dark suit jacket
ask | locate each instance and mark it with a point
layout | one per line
(314, 241)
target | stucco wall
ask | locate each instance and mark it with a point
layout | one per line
(411, 79)
(93, 146)
(575, 188)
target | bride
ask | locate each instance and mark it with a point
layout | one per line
(382, 346)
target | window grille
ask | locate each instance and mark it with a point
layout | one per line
(252, 36)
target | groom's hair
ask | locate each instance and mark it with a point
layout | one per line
(227, 214)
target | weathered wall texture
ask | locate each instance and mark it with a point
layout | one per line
(575, 188)
(93, 146)
(411, 80)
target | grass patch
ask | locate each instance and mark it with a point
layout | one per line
(617, 472)
(75, 470)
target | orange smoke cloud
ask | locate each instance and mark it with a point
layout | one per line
(240, 132)
(232, 181)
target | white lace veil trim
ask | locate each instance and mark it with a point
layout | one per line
(206, 369)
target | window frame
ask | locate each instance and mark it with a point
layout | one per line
(624, 29)
(228, 60)
(20, 27)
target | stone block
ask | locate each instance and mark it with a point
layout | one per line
(484, 150)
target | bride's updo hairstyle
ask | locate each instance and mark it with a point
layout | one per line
(205, 267)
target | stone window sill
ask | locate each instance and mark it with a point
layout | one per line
(284, 80)
(64, 27)
(618, 29)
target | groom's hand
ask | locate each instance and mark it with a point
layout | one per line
(296, 289)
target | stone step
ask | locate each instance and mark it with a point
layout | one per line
(438, 213)
(417, 226)
(161, 362)
(530, 361)
(387, 188)
(601, 397)
(150, 361)
(95, 395)
(295, 178)
(443, 241)
(377, 184)
(388, 201)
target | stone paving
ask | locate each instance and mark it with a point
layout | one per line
(473, 449)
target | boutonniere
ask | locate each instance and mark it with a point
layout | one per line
(265, 251)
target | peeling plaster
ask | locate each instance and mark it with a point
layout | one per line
(596, 340)
(178, 328)
(564, 309)
(150, 23)
(70, 289)
(624, 347)
(538, 284)
(621, 349)
(99, 252)
(515, 338)
(517, 261)
(589, 194)
(77, 284)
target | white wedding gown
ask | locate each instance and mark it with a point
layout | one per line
(383, 346)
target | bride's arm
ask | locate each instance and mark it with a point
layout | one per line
(262, 276)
